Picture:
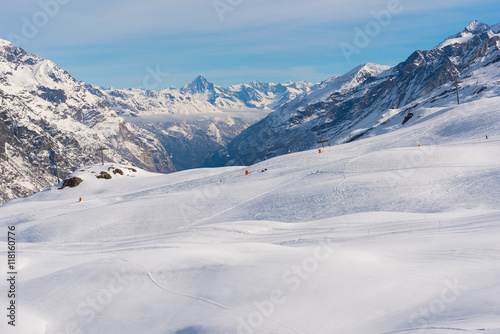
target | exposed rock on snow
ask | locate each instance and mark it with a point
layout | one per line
(71, 182)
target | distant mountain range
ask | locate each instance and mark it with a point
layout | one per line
(201, 117)
(52, 124)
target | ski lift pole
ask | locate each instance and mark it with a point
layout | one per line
(55, 163)
(322, 141)
(57, 171)
(102, 149)
(456, 84)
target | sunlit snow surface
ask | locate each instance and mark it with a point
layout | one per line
(375, 236)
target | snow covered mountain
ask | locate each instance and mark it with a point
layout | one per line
(256, 94)
(372, 99)
(200, 96)
(201, 117)
(47, 118)
(374, 236)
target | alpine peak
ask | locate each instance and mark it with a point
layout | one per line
(4, 42)
(473, 29)
(199, 85)
(477, 27)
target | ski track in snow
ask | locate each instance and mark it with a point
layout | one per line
(248, 200)
(201, 299)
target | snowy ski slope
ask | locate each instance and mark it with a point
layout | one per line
(376, 236)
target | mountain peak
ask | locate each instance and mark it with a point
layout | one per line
(477, 27)
(362, 72)
(473, 29)
(371, 67)
(496, 28)
(4, 42)
(199, 85)
(200, 78)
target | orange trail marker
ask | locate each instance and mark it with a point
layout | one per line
(319, 150)
(80, 199)
(247, 172)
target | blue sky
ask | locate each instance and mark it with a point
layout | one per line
(157, 44)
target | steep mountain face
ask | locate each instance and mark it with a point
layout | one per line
(47, 118)
(199, 85)
(349, 107)
(190, 142)
(201, 117)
